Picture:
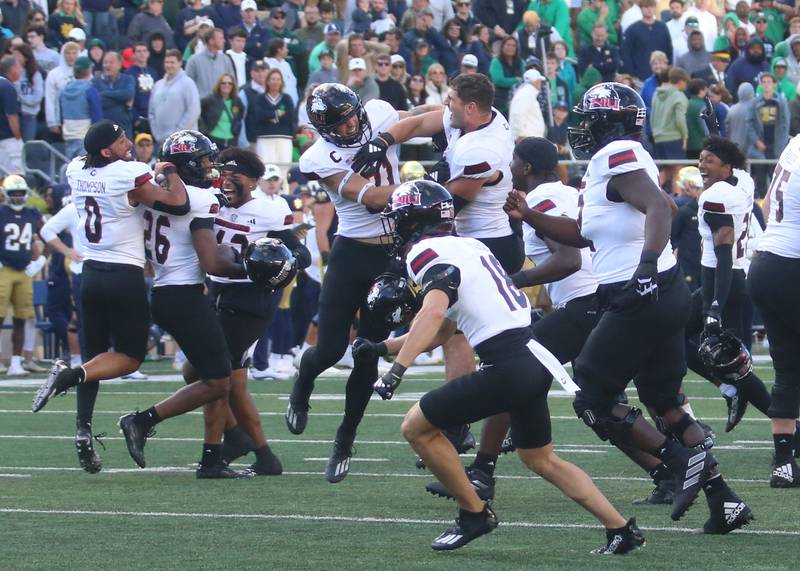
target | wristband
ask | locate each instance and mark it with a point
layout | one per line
(648, 258)
(168, 170)
(364, 190)
(387, 138)
(397, 370)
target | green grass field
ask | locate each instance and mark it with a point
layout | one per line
(55, 516)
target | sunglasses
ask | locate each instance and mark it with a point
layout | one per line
(398, 65)
(417, 79)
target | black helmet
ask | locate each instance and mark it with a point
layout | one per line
(392, 300)
(331, 105)
(417, 208)
(270, 263)
(608, 111)
(726, 356)
(186, 149)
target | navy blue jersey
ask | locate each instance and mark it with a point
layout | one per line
(18, 230)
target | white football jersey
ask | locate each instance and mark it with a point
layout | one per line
(112, 228)
(480, 154)
(487, 302)
(782, 236)
(168, 240)
(725, 198)
(616, 229)
(238, 227)
(324, 159)
(557, 199)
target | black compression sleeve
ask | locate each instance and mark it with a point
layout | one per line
(459, 203)
(723, 274)
(178, 210)
(299, 250)
(201, 224)
(716, 220)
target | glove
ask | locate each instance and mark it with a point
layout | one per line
(709, 116)
(713, 321)
(440, 172)
(35, 266)
(644, 282)
(366, 349)
(388, 383)
(369, 157)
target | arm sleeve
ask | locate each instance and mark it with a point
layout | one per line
(723, 274)
(58, 223)
(442, 277)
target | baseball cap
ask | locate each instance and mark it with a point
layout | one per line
(421, 42)
(357, 63)
(760, 16)
(206, 22)
(96, 42)
(469, 60)
(142, 137)
(332, 28)
(532, 75)
(324, 53)
(271, 171)
(561, 104)
(539, 152)
(397, 58)
(692, 21)
(77, 34)
(427, 11)
(260, 64)
(276, 11)
(779, 61)
(721, 54)
(82, 64)
(249, 5)
(101, 135)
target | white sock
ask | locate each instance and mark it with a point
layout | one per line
(305, 346)
(728, 390)
(16, 361)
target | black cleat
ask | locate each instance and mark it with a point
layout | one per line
(507, 445)
(480, 480)
(468, 526)
(339, 465)
(87, 456)
(692, 471)
(460, 437)
(622, 541)
(663, 493)
(269, 466)
(728, 512)
(296, 417)
(237, 443)
(221, 471)
(135, 437)
(54, 385)
(785, 474)
(737, 406)
(708, 432)
(797, 440)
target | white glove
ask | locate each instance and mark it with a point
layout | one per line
(35, 266)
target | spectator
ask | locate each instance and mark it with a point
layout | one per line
(390, 90)
(597, 11)
(393, 40)
(742, 11)
(695, 127)
(327, 72)
(421, 58)
(557, 87)
(148, 21)
(399, 71)
(78, 36)
(381, 20)
(314, 31)
(359, 18)
(116, 92)
(760, 22)
(258, 36)
(658, 64)
(144, 78)
(442, 12)
(785, 87)
(252, 91)
(10, 133)
(501, 16)
(198, 43)
(46, 58)
(14, 13)
(237, 39)
(555, 14)
(469, 64)
(175, 101)
(558, 132)
(424, 30)
(100, 23)
(30, 87)
(525, 115)
(332, 36)
(643, 38)
(275, 120)
(143, 149)
(204, 68)
(227, 14)
(720, 99)
(600, 54)
(36, 17)
(436, 85)
(782, 49)
(793, 60)
(55, 82)
(772, 118)
(697, 58)
(415, 88)
(222, 113)
(481, 48)
(277, 52)
(716, 70)
(297, 54)
(727, 38)
(454, 47)
(410, 15)
(630, 14)
(675, 26)
(566, 67)
(669, 116)
(747, 69)
(81, 107)
(360, 82)
(464, 15)
(506, 72)
(356, 46)
(776, 13)
(157, 47)
(66, 16)
(187, 22)
(706, 20)
(741, 122)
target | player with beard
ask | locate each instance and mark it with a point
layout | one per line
(109, 188)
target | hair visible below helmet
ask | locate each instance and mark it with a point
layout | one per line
(392, 301)
(270, 263)
(16, 191)
(608, 112)
(412, 170)
(417, 208)
(331, 105)
(726, 356)
(689, 177)
(186, 149)
(726, 150)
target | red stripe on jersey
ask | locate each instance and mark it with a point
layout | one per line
(141, 179)
(544, 206)
(231, 225)
(477, 169)
(419, 262)
(713, 206)
(289, 219)
(583, 185)
(621, 158)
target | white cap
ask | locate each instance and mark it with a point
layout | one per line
(469, 60)
(397, 58)
(77, 34)
(532, 75)
(357, 63)
(249, 5)
(206, 22)
(271, 171)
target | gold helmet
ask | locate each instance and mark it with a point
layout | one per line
(412, 170)
(15, 191)
(689, 177)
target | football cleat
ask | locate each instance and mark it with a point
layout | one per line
(507, 445)
(87, 456)
(269, 466)
(480, 480)
(785, 474)
(468, 526)
(33, 367)
(460, 437)
(708, 432)
(339, 465)
(692, 471)
(737, 406)
(220, 471)
(663, 493)
(727, 512)
(236, 444)
(622, 541)
(296, 417)
(135, 437)
(51, 386)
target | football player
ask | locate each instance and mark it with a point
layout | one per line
(464, 286)
(625, 218)
(772, 284)
(108, 187)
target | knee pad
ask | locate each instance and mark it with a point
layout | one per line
(607, 426)
(785, 398)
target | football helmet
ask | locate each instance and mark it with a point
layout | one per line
(689, 177)
(270, 263)
(392, 300)
(417, 208)
(725, 355)
(186, 150)
(16, 192)
(412, 170)
(608, 111)
(331, 105)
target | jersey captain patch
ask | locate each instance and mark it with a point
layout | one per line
(422, 259)
(477, 169)
(621, 158)
(544, 206)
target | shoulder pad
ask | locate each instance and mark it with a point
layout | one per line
(444, 277)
